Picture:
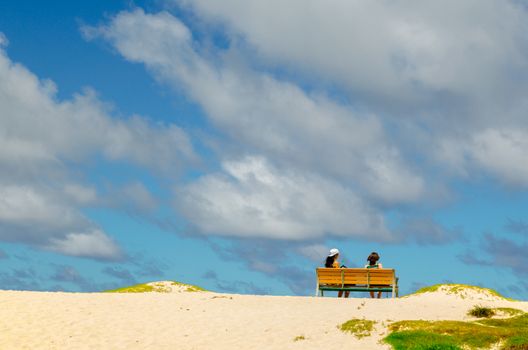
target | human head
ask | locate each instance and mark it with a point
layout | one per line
(332, 257)
(334, 252)
(373, 258)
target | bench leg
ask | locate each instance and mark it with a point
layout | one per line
(317, 290)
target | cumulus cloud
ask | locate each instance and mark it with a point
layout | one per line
(330, 165)
(253, 199)
(503, 153)
(92, 244)
(432, 92)
(500, 152)
(43, 139)
(394, 50)
(454, 71)
(269, 116)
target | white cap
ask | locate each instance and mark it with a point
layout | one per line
(333, 251)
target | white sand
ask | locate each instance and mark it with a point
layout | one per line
(203, 320)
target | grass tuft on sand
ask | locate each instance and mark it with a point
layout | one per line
(359, 328)
(511, 333)
(157, 287)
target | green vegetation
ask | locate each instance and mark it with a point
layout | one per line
(458, 289)
(155, 287)
(420, 340)
(511, 333)
(481, 312)
(507, 311)
(486, 312)
(299, 337)
(359, 328)
(138, 288)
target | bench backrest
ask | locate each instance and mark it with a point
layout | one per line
(361, 276)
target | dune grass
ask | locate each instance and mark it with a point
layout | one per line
(458, 289)
(511, 333)
(508, 311)
(359, 328)
(154, 287)
(138, 288)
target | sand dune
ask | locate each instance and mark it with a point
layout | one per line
(205, 320)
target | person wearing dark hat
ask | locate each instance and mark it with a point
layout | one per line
(374, 263)
(332, 262)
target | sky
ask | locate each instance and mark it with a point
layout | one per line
(231, 144)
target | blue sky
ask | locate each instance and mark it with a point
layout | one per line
(193, 141)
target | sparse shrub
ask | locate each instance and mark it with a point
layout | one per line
(481, 312)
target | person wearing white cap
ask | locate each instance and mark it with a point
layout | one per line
(332, 262)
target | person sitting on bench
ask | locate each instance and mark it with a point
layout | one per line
(332, 262)
(373, 259)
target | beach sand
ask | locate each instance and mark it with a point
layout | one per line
(205, 320)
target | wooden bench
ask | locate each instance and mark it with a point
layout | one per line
(356, 280)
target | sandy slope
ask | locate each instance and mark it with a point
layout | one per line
(203, 320)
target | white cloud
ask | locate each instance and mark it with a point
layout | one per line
(455, 70)
(81, 194)
(31, 210)
(92, 244)
(253, 199)
(44, 218)
(271, 117)
(389, 49)
(38, 127)
(427, 84)
(503, 152)
(500, 152)
(44, 138)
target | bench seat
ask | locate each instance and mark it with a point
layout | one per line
(356, 280)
